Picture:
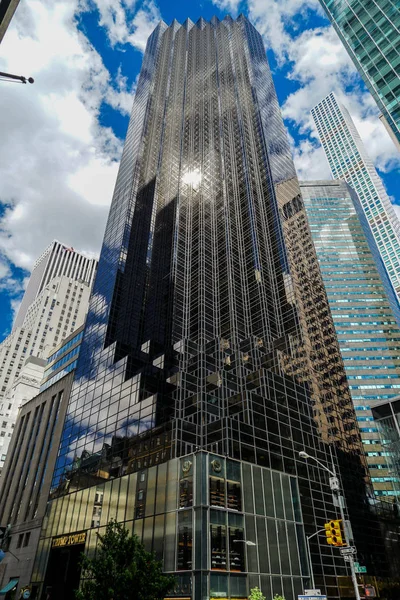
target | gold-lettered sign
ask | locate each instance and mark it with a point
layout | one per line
(69, 540)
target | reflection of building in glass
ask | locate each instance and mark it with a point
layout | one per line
(348, 160)
(387, 418)
(369, 31)
(62, 359)
(361, 302)
(209, 357)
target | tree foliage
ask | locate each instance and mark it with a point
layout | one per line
(256, 594)
(122, 570)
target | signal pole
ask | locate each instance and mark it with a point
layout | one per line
(335, 487)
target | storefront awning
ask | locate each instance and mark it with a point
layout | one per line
(10, 585)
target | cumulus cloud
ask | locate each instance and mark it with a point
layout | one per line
(231, 6)
(121, 98)
(310, 161)
(320, 65)
(317, 61)
(145, 20)
(274, 18)
(123, 25)
(13, 286)
(57, 163)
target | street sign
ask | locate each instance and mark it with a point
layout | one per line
(347, 550)
(359, 569)
(317, 597)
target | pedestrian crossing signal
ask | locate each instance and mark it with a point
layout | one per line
(333, 532)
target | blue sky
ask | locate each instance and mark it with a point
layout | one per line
(63, 136)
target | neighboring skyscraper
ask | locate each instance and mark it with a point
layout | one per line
(23, 388)
(348, 160)
(57, 260)
(209, 358)
(59, 307)
(387, 418)
(370, 32)
(366, 326)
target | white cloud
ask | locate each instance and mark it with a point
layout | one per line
(273, 17)
(319, 62)
(145, 20)
(125, 27)
(113, 18)
(12, 286)
(57, 163)
(310, 161)
(231, 6)
(121, 100)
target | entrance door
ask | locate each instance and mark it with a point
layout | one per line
(63, 573)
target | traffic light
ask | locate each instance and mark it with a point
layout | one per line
(333, 533)
(369, 591)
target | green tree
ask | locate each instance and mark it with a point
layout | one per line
(122, 570)
(256, 594)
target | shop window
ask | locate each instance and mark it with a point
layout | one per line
(236, 550)
(218, 548)
(185, 541)
(217, 492)
(185, 493)
(218, 586)
(234, 497)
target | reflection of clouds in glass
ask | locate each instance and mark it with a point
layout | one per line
(98, 305)
(86, 435)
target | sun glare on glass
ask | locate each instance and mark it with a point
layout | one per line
(192, 178)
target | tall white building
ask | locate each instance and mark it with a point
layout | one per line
(23, 389)
(349, 160)
(59, 292)
(57, 260)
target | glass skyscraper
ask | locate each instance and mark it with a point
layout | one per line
(349, 160)
(370, 32)
(361, 307)
(209, 357)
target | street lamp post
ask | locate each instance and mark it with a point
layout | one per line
(20, 78)
(335, 487)
(308, 538)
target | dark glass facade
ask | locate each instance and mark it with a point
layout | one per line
(209, 358)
